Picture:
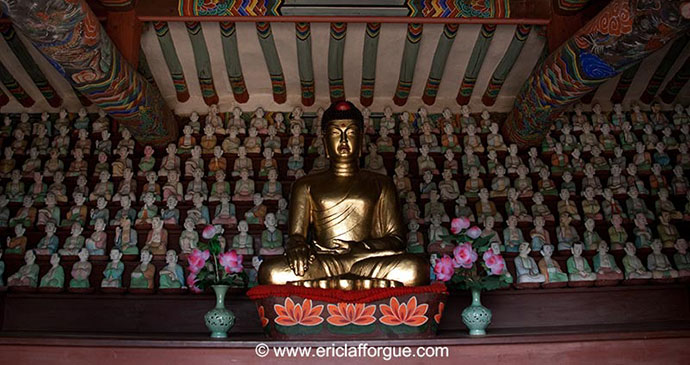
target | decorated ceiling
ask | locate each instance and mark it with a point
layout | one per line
(282, 64)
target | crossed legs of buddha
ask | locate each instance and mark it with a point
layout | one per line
(350, 271)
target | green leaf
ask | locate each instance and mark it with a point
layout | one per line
(214, 246)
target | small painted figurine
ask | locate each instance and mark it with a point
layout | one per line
(125, 210)
(157, 239)
(633, 265)
(565, 233)
(55, 277)
(101, 212)
(438, 237)
(415, 239)
(225, 213)
(485, 208)
(197, 186)
(112, 274)
(659, 264)
(550, 268)
(605, 265)
(27, 275)
(538, 235)
(512, 235)
(26, 215)
(195, 162)
(244, 188)
(74, 243)
(172, 274)
(148, 211)
(143, 274)
(578, 267)
(49, 243)
(272, 189)
(96, 243)
(126, 237)
(257, 213)
(199, 212)
(147, 162)
(81, 270)
(243, 242)
(500, 183)
(681, 258)
(271, 237)
(526, 268)
(189, 238)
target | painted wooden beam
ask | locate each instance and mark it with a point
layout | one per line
(597, 53)
(203, 62)
(420, 11)
(474, 65)
(233, 65)
(507, 62)
(624, 83)
(304, 62)
(663, 69)
(125, 29)
(30, 66)
(14, 88)
(171, 59)
(676, 83)
(75, 43)
(438, 63)
(275, 69)
(369, 57)
(409, 61)
(336, 55)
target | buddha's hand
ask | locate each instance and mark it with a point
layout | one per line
(299, 257)
(342, 247)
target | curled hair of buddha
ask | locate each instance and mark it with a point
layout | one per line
(342, 110)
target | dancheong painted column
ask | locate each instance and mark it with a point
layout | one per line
(622, 34)
(68, 34)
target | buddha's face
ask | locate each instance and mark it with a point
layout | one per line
(343, 140)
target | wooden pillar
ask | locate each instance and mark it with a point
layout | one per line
(616, 39)
(75, 43)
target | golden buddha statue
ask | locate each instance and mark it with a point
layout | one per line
(357, 238)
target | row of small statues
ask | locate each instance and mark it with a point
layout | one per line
(157, 241)
(604, 269)
(527, 270)
(142, 277)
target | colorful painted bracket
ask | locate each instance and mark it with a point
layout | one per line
(409, 61)
(233, 65)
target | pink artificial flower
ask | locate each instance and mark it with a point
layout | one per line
(444, 268)
(197, 260)
(473, 232)
(191, 283)
(231, 261)
(458, 224)
(494, 262)
(208, 232)
(464, 256)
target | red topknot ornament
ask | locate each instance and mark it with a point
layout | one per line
(342, 106)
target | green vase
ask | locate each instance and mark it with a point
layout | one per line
(219, 320)
(476, 317)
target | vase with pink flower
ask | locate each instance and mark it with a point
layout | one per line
(464, 271)
(210, 267)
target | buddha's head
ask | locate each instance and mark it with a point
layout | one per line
(342, 125)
